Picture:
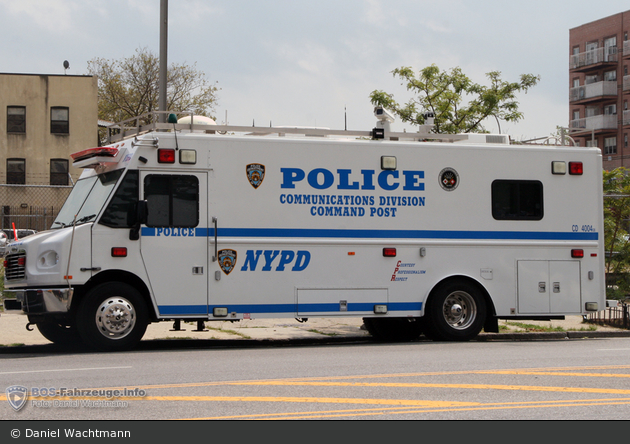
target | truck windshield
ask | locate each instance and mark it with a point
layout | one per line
(86, 199)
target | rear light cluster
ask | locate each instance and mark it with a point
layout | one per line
(577, 253)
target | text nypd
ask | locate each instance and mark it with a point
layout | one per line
(277, 260)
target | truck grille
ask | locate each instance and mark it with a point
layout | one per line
(15, 266)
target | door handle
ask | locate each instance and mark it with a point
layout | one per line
(216, 248)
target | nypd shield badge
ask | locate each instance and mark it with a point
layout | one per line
(227, 260)
(255, 174)
(17, 396)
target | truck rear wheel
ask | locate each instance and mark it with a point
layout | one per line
(456, 311)
(112, 317)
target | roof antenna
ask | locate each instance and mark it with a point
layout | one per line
(66, 65)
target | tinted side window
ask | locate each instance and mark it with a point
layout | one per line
(172, 201)
(121, 211)
(517, 200)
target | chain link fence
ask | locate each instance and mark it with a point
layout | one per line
(33, 207)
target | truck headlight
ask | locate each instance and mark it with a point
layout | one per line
(48, 259)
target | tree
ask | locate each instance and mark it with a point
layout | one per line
(129, 87)
(616, 236)
(443, 93)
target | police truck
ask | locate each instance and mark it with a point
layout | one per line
(415, 232)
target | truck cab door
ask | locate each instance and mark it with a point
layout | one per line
(173, 242)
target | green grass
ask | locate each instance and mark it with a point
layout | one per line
(321, 332)
(541, 328)
(232, 332)
(534, 328)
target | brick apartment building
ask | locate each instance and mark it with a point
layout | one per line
(600, 87)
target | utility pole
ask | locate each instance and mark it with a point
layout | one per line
(163, 58)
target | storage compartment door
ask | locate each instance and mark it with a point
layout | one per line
(565, 294)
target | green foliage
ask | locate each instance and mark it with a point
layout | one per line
(130, 87)
(444, 93)
(616, 226)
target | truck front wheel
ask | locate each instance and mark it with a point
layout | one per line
(58, 333)
(112, 317)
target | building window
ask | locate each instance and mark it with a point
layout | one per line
(610, 110)
(590, 143)
(593, 78)
(610, 76)
(16, 119)
(16, 171)
(625, 141)
(59, 120)
(610, 145)
(58, 171)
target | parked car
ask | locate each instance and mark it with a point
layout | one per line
(7, 236)
(4, 240)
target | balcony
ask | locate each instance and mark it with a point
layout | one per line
(593, 91)
(626, 82)
(593, 59)
(626, 48)
(626, 118)
(600, 123)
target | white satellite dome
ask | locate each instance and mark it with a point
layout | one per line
(196, 120)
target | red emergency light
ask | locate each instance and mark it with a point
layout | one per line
(576, 168)
(166, 155)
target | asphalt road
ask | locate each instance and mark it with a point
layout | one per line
(559, 379)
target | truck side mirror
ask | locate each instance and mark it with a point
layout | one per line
(141, 218)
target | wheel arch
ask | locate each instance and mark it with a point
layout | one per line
(491, 321)
(116, 276)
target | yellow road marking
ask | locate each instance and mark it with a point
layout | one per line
(436, 385)
(552, 371)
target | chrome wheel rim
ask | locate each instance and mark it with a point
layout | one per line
(459, 310)
(115, 318)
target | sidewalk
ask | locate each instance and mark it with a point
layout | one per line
(13, 330)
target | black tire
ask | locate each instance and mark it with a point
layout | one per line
(112, 317)
(59, 333)
(394, 329)
(456, 311)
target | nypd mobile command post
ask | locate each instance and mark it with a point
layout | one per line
(417, 233)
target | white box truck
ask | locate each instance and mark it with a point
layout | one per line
(417, 233)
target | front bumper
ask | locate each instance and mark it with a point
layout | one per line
(47, 300)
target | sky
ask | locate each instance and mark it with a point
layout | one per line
(297, 63)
